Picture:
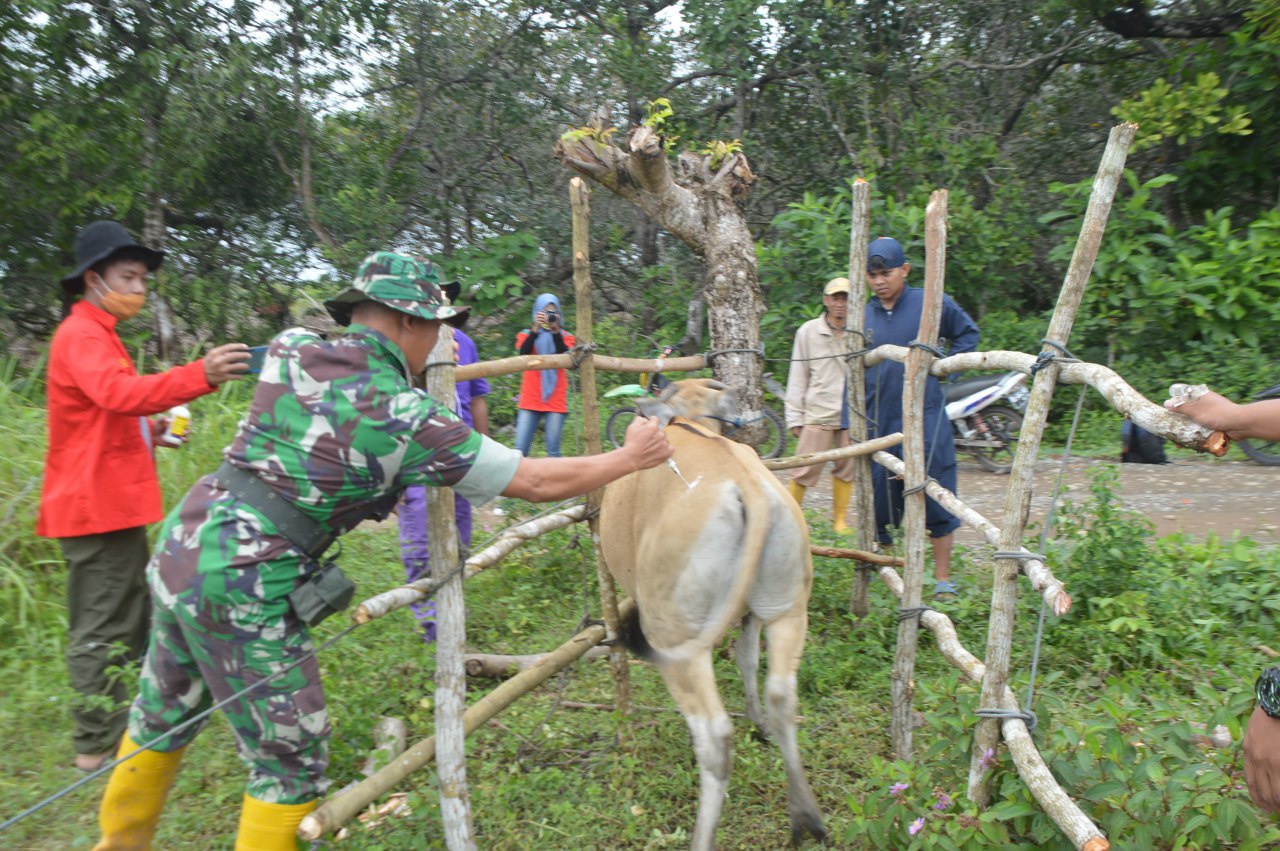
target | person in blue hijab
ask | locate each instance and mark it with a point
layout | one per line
(543, 392)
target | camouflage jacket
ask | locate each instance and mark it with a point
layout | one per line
(337, 428)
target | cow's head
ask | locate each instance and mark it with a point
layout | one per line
(709, 402)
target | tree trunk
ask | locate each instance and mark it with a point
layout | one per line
(700, 203)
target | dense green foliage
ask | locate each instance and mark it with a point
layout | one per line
(1157, 649)
(265, 146)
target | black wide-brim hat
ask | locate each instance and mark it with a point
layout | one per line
(98, 241)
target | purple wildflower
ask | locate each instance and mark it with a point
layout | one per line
(897, 789)
(916, 826)
(988, 759)
(944, 801)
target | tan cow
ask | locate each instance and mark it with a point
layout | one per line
(700, 546)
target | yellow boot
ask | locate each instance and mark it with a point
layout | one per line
(270, 827)
(796, 490)
(840, 493)
(134, 798)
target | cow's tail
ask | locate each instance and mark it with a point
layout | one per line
(633, 637)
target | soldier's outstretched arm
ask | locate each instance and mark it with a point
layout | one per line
(549, 479)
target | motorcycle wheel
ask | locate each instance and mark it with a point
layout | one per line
(616, 427)
(1266, 454)
(1006, 424)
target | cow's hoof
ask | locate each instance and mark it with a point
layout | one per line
(807, 824)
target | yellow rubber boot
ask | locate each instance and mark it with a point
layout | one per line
(134, 798)
(796, 490)
(841, 491)
(270, 827)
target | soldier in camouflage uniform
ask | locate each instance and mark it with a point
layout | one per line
(337, 429)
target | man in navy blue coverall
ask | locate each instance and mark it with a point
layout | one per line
(893, 317)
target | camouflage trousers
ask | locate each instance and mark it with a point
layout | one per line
(201, 653)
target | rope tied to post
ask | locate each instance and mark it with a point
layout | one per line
(1019, 556)
(933, 350)
(1045, 358)
(916, 489)
(580, 352)
(908, 612)
(1026, 715)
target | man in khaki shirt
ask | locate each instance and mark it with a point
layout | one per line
(816, 387)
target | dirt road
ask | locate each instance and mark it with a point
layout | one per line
(1192, 495)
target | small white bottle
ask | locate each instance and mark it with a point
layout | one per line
(1180, 394)
(179, 422)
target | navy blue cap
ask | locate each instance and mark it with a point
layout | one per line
(889, 250)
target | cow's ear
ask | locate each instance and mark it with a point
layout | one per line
(655, 409)
(712, 384)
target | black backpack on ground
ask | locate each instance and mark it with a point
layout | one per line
(1141, 446)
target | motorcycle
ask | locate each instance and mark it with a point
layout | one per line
(986, 417)
(1262, 452)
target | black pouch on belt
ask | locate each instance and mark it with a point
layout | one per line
(323, 593)
(325, 590)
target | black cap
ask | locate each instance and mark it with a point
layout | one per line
(97, 242)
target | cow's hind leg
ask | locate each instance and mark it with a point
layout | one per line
(746, 651)
(786, 642)
(692, 684)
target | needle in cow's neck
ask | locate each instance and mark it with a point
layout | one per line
(671, 462)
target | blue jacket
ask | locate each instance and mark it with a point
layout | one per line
(884, 381)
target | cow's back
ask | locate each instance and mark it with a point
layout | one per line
(696, 549)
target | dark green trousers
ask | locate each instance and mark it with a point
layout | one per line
(108, 613)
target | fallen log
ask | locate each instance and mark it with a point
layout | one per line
(512, 538)
(500, 666)
(337, 811)
(1051, 589)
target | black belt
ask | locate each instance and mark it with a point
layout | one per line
(300, 530)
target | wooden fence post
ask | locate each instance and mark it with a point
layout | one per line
(580, 199)
(451, 634)
(914, 450)
(855, 324)
(1004, 594)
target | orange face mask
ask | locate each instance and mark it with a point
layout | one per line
(119, 305)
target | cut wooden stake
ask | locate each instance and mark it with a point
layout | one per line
(1004, 594)
(855, 323)
(860, 449)
(510, 366)
(337, 811)
(914, 450)
(451, 637)
(580, 200)
(858, 555)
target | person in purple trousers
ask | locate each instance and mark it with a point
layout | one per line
(414, 550)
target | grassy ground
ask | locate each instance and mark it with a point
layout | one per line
(1162, 638)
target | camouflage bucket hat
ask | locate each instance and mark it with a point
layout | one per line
(409, 284)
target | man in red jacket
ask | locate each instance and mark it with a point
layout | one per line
(100, 485)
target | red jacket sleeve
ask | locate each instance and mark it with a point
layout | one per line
(107, 378)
